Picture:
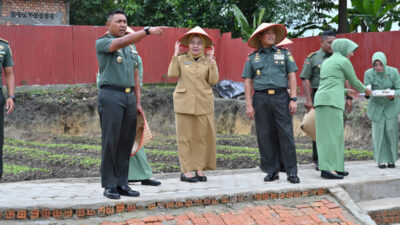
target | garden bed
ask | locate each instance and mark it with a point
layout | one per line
(55, 134)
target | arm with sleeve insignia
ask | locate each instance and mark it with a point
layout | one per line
(306, 75)
(248, 90)
(293, 92)
(137, 90)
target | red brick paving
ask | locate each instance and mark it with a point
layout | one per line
(318, 212)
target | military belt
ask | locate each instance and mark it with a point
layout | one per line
(121, 89)
(274, 91)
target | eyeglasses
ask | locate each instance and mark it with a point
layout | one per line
(196, 43)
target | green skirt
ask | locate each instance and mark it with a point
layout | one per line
(385, 137)
(330, 138)
(139, 167)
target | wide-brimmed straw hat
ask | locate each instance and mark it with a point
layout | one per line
(280, 33)
(286, 41)
(308, 124)
(197, 30)
(143, 133)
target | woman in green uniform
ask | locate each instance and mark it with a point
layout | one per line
(383, 110)
(139, 167)
(329, 106)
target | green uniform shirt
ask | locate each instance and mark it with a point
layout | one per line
(312, 67)
(334, 73)
(379, 106)
(5, 57)
(269, 68)
(116, 68)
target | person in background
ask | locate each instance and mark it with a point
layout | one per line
(329, 106)
(139, 168)
(194, 104)
(6, 64)
(384, 110)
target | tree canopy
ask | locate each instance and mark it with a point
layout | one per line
(298, 16)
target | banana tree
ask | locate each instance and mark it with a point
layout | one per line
(372, 15)
(243, 24)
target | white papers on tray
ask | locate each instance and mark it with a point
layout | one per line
(386, 92)
(378, 93)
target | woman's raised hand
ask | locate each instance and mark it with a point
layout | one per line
(177, 46)
(210, 55)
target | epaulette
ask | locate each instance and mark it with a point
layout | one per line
(253, 52)
(1, 39)
(182, 53)
(311, 54)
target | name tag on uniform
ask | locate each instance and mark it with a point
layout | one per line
(279, 57)
(187, 63)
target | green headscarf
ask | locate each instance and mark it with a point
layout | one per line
(344, 46)
(382, 58)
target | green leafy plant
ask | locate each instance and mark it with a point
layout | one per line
(243, 25)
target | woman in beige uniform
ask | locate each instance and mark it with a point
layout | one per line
(194, 104)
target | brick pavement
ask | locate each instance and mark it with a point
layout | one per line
(322, 211)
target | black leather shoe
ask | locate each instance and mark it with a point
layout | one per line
(328, 175)
(151, 182)
(188, 179)
(127, 191)
(381, 165)
(201, 178)
(111, 193)
(293, 178)
(344, 173)
(391, 165)
(271, 177)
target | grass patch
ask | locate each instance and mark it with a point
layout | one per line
(50, 157)
(16, 142)
(359, 154)
(15, 169)
(165, 166)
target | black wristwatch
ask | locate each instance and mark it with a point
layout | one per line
(293, 99)
(349, 97)
(147, 30)
(12, 97)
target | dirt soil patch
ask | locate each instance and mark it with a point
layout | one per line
(54, 133)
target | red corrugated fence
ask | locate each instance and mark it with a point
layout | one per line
(66, 54)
